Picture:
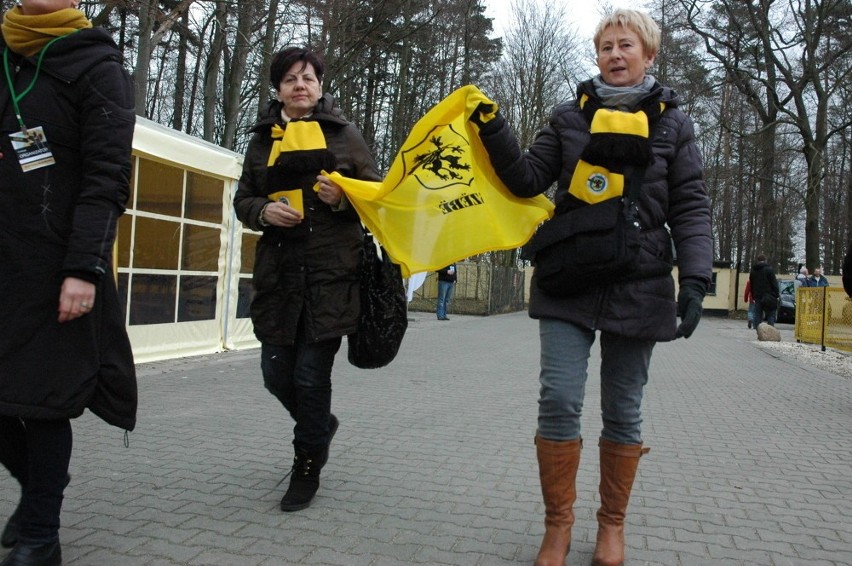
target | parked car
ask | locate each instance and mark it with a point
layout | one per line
(787, 302)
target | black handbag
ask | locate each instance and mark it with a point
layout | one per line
(384, 310)
(589, 246)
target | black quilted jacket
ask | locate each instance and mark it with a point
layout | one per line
(673, 206)
(60, 220)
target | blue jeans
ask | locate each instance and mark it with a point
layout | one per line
(445, 295)
(763, 315)
(300, 377)
(565, 350)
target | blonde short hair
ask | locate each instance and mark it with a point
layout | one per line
(640, 22)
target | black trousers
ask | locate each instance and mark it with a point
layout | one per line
(37, 454)
(300, 377)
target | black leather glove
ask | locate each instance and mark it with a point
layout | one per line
(689, 307)
(483, 114)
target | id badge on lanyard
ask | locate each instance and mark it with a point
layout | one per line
(32, 149)
(30, 144)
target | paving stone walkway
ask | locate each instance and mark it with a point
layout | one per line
(750, 462)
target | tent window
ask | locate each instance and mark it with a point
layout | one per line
(203, 198)
(152, 299)
(197, 298)
(156, 244)
(159, 188)
(169, 245)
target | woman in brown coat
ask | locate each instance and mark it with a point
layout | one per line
(306, 263)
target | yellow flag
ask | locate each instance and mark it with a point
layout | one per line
(441, 200)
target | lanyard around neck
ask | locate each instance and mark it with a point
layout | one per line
(16, 98)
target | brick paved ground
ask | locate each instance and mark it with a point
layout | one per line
(434, 461)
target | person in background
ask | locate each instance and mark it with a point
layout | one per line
(642, 127)
(764, 286)
(801, 279)
(847, 271)
(748, 297)
(306, 263)
(446, 284)
(817, 279)
(65, 150)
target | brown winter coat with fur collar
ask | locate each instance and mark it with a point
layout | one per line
(309, 274)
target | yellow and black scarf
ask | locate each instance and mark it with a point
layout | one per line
(619, 141)
(27, 35)
(298, 154)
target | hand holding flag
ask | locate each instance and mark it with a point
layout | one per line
(441, 200)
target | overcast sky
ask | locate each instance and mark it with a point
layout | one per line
(583, 14)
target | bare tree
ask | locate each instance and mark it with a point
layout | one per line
(539, 69)
(212, 84)
(268, 47)
(180, 75)
(781, 55)
(153, 25)
(235, 69)
(147, 9)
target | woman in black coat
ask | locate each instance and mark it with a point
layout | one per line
(67, 125)
(306, 263)
(622, 123)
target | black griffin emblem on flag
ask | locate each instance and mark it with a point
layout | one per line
(440, 160)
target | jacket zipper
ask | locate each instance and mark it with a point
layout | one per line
(599, 302)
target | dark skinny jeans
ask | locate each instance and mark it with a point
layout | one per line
(300, 377)
(37, 454)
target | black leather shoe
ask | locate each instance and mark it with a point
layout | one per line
(10, 532)
(34, 554)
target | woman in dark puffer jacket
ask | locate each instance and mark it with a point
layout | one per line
(637, 124)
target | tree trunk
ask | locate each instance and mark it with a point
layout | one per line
(147, 9)
(266, 64)
(234, 78)
(211, 71)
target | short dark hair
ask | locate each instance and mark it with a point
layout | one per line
(761, 257)
(283, 60)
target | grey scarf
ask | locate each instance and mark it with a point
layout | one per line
(622, 97)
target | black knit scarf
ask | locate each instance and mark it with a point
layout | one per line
(619, 139)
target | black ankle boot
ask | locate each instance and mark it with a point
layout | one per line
(333, 423)
(28, 553)
(304, 482)
(10, 532)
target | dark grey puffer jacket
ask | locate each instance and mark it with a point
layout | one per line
(673, 195)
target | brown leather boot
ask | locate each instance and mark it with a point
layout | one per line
(557, 468)
(618, 470)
